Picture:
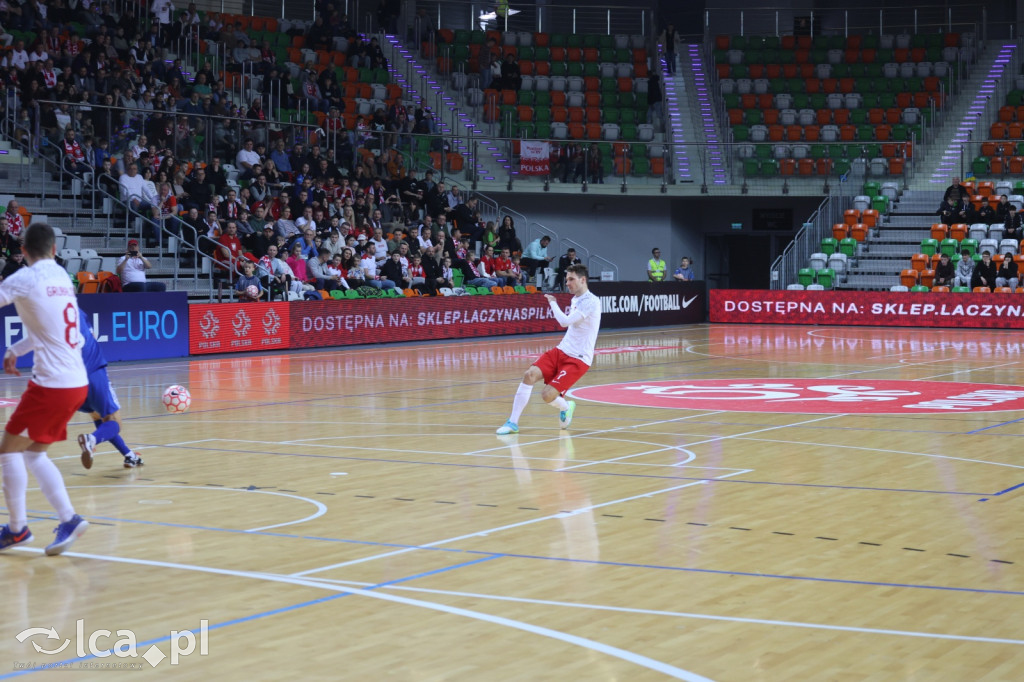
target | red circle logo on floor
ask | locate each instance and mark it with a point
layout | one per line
(814, 396)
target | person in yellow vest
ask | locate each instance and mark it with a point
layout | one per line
(656, 267)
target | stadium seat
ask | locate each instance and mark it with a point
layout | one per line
(825, 277)
(909, 278)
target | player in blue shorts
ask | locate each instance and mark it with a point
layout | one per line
(102, 404)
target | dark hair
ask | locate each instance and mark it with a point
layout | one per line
(654, 249)
(579, 270)
(38, 240)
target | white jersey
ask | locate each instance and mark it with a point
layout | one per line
(46, 303)
(583, 322)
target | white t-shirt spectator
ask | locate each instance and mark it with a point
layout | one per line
(369, 265)
(18, 59)
(134, 269)
(132, 187)
(246, 156)
(163, 10)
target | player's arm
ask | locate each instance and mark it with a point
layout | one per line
(16, 350)
(564, 320)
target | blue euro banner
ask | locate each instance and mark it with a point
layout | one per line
(141, 326)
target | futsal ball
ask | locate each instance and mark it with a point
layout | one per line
(177, 399)
(252, 291)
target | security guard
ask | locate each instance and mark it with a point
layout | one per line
(656, 267)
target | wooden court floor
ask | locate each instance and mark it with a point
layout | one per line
(350, 515)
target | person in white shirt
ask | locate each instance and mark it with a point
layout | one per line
(565, 364)
(371, 270)
(246, 159)
(131, 268)
(45, 301)
(18, 57)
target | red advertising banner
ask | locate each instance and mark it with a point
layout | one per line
(869, 308)
(234, 327)
(338, 323)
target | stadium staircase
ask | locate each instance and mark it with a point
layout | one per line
(946, 155)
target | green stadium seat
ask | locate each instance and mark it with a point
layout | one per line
(829, 245)
(929, 247)
(920, 288)
(970, 246)
(805, 276)
(948, 247)
(826, 277)
(848, 246)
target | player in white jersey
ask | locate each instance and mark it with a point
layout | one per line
(563, 365)
(45, 300)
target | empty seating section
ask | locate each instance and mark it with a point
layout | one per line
(573, 87)
(824, 104)
(1003, 153)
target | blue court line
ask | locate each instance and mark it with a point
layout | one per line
(258, 616)
(994, 426)
(748, 574)
(592, 562)
(1008, 489)
(573, 471)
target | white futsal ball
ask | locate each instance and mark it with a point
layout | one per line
(177, 399)
(252, 291)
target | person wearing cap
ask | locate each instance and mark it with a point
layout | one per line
(263, 240)
(360, 244)
(131, 268)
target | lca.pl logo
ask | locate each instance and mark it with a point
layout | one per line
(96, 645)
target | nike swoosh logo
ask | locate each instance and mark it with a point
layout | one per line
(687, 303)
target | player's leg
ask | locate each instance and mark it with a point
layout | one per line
(102, 401)
(15, 484)
(522, 398)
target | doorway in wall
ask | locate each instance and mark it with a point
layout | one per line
(737, 261)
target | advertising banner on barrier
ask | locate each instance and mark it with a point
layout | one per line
(329, 323)
(647, 304)
(128, 326)
(234, 327)
(873, 308)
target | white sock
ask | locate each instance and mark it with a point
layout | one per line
(15, 485)
(519, 404)
(559, 404)
(50, 482)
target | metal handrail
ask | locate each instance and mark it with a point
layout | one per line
(601, 259)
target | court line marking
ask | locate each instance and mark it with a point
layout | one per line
(585, 473)
(698, 616)
(690, 455)
(994, 426)
(321, 508)
(264, 614)
(593, 645)
(718, 439)
(589, 562)
(610, 430)
(893, 452)
(483, 533)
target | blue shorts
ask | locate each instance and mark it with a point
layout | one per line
(101, 398)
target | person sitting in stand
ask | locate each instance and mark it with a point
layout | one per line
(131, 269)
(1007, 275)
(986, 214)
(945, 272)
(952, 212)
(1012, 226)
(1003, 208)
(502, 267)
(393, 270)
(564, 261)
(248, 279)
(957, 191)
(74, 158)
(964, 270)
(316, 266)
(684, 273)
(984, 274)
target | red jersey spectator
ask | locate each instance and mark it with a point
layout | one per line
(15, 224)
(74, 157)
(230, 248)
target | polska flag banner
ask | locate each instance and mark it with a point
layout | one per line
(533, 158)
